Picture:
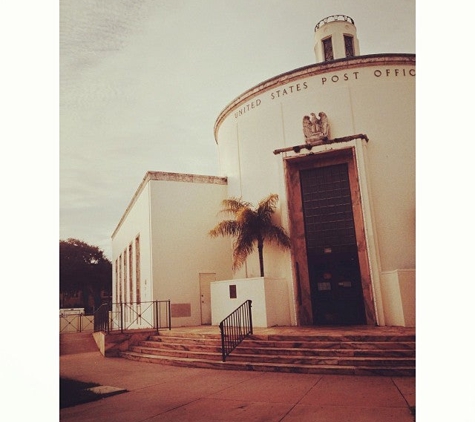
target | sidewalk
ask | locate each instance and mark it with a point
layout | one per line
(169, 393)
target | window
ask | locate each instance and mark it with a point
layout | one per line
(120, 278)
(125, 275)
(349, 46)
(327, 49)
(137, 268)
(131, 278)
(117, 281)
(232, 291)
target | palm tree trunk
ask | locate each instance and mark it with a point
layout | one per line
(260, 248)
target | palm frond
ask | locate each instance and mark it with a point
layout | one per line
(246, 217)
(225, 228)
(233, 205)
(278, 236)
(250, 226)
(243, 247)
(266, 206)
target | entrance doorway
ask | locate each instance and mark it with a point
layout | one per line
(331, 268)
(205, 296)
(335, 284)
(332, 252)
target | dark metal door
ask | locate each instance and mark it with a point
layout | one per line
(332, 253)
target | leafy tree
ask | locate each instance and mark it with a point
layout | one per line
(250, 225)
(84, 268)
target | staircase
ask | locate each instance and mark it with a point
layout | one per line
(332, 352)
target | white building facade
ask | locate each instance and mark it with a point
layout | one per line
(161, 249)
(349, 206)
(336, 141)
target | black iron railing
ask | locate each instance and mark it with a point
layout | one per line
(235, 328)
(133, 315)
(101, 318)
(75, 323)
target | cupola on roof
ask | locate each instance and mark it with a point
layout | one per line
(335, 38)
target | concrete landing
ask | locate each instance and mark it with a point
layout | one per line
(71, 343)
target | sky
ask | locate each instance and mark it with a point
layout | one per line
(143, 81)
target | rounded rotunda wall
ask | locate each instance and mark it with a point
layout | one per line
(372, 95)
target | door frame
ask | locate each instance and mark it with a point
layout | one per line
(205, 279)
(301, 279)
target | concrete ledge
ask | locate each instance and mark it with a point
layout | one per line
(106, 391)
(111, 344)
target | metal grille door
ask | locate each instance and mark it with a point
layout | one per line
(332, 253)
(328, 213)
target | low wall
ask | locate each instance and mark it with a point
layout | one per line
(111, 344)
(270, 303)
(398, 290)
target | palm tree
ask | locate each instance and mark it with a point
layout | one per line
(250, 225)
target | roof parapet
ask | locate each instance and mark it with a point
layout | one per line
(334, 18)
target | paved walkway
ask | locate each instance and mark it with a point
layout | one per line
(168, 393)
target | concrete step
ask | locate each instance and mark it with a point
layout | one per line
(186, 340)
(189, 335)
(302, 344)
(327, 337)
(204, 354)
(321, 360)
(295, 356)
(373, 337)
(317, 353)
(246, 349)
(272, 367)
(321, 344)
(260, 350)
(182, 345)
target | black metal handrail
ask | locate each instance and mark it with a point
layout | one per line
(235, 328)
(101, 318)
(133, 315)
